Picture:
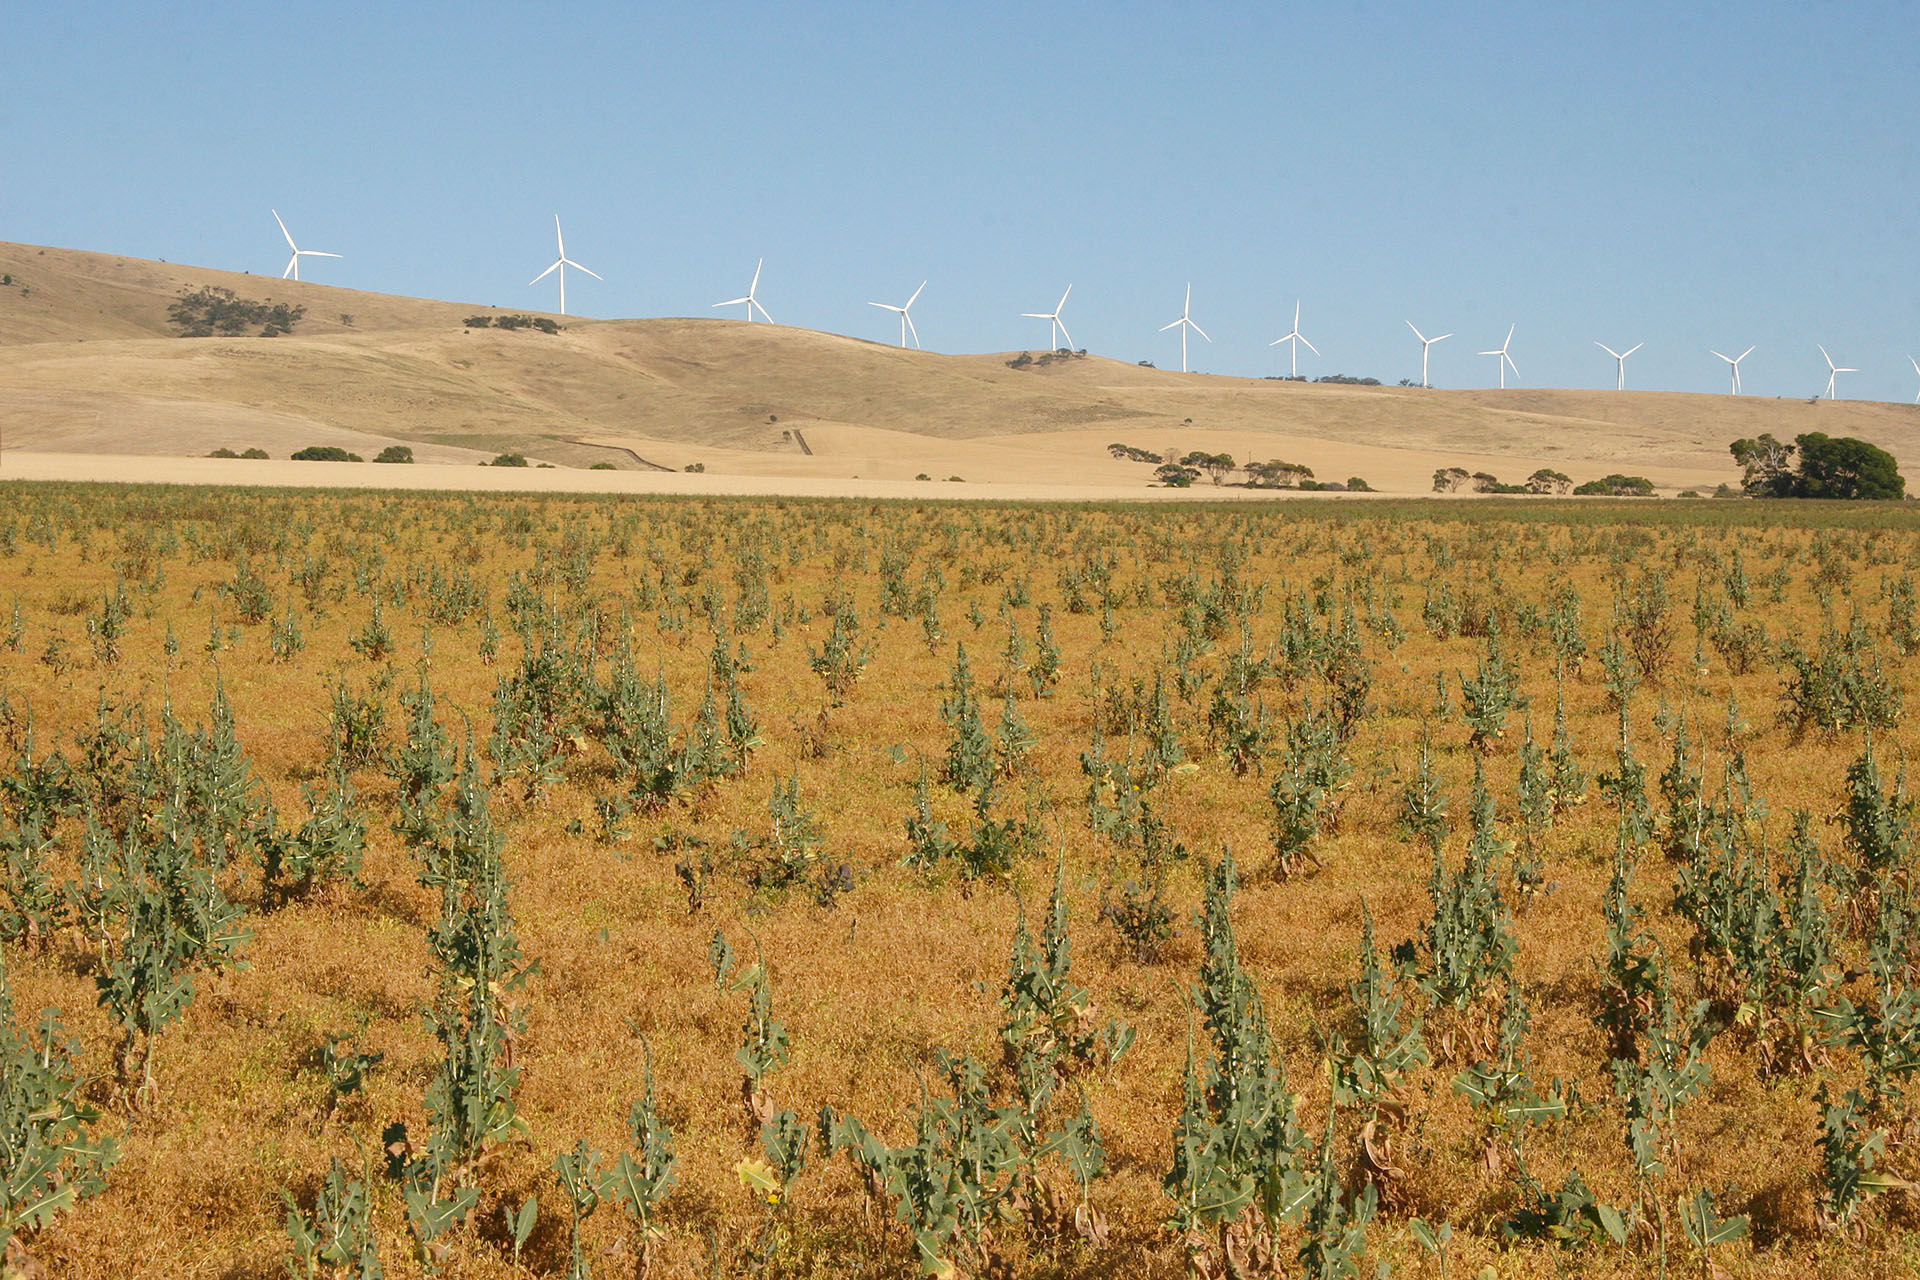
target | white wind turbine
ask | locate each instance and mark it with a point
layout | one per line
(906, 319)
(1425, 344)
(752, 300)
(293, 263)
(561, 264)
(1916, 369)
(1833, 371)
(1296, 338)
(1054, 316)
(1184, 323)
(1620, 357)
(1506, 361)
(1733, 363)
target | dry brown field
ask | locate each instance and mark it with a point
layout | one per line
(91, 366)
(1179, 630)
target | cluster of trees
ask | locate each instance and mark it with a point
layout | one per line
(541, 323)
(1275, 474)
(1131, 454)
(326, 453)
(1455, 479)
(1026, 360)
(1546, 481)
(1828, 467)
(210, 310)
(224, 452)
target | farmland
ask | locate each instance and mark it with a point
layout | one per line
(837, 888)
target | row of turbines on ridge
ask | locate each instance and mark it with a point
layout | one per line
(1293, 337)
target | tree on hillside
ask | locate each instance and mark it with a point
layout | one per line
(1217, 465)
(1843, 467)
(1449, 479)
(1829, 467)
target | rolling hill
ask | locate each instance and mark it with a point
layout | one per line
(90, 364)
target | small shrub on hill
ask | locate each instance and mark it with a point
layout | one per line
(395, 453)
(326, 453)
(509, 460)
(254, 453)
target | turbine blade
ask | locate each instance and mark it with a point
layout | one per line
(1635, 347)
(1825, 356)
(292, 262)
(756, 277)
(1746, 353)
(915, 298)
(1175, 325)
(577, 267)
(732, 302)
(908, 317)
(1310, 345)
(1035, 315)
(1197, 329)
(316, 253)
(1728, 359)
(1061, 305)
(1510, 364)
(544, 274)
(1416, 332)
(1609, 350)
(1063, 329)
(558, 239)
(283, 231)
(1442, 338)
(1277, 341)
(888, 306)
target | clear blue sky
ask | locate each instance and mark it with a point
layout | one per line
(1687, 176)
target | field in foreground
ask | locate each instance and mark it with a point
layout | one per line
(406, 832)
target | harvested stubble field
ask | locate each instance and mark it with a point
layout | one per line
(287, 902)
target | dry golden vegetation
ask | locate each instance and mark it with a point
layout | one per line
(398, 862)
(90, 365)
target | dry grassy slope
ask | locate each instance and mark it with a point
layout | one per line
(85, 324)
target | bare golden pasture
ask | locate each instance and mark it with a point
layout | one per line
(873, 977)
(89, 365)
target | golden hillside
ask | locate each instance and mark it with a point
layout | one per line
(90, 365)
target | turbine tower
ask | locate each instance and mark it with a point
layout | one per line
(752, 300)
(1620, 358)
(906, 318)
(1184, 323)
(293, 263)
(561, 264)
(1833, 371)
(1506, 361)
(1733, 363)
(1425, 344)
(1296, 338)
(1054, 316)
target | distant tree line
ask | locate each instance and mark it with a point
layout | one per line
(210, 310)
(1026, 359)
(541, 323)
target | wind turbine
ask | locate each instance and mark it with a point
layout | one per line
(906, 320)
(1916, 369)
(293, 263)
(1621, 358)
(751, 300)
(1506, 361)
(1296, 338)
(1833, 371)
(1733, 363)
(1054, 316)
(1425, 344)
(1184, 323)
(561, 264)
